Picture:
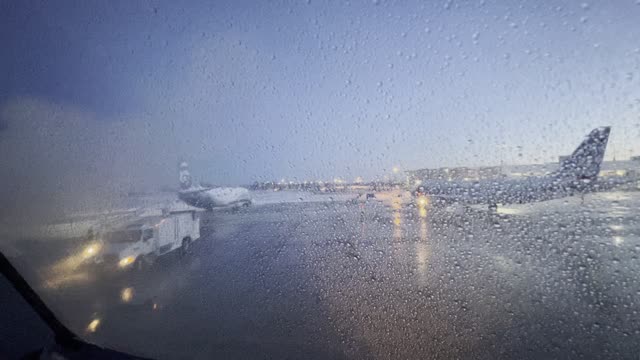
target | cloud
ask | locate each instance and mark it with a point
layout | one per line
(59, 157)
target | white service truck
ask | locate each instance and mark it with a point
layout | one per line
(138, 244)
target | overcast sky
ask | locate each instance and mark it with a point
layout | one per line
(112, 94)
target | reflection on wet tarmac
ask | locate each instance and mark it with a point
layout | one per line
(396, 206)
(60, 279)
(126, 294)
(422, 211)
(423, 247)
(70, 270)
(93, 325)
(411, 283)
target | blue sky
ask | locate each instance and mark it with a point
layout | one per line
(305, 90)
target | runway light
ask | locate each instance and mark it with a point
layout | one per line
(126, 261)
(126, 295)
(93, 325)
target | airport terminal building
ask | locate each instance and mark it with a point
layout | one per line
(619, 168)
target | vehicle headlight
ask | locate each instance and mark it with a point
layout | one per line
(126, 261)
(91, 250)
(422, 200)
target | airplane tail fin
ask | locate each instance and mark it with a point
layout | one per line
(584, 163)
(185, 176)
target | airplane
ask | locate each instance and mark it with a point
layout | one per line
(577, 174)
(207, 197)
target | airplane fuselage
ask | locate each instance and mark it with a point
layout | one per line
(577, 173)
(210, 198)
(505, 191)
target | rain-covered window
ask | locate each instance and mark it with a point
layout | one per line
(321, 179)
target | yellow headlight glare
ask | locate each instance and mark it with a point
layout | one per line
(126, 261)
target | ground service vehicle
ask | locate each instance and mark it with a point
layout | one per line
(138, 244)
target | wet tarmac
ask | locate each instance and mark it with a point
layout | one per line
(384, 278)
